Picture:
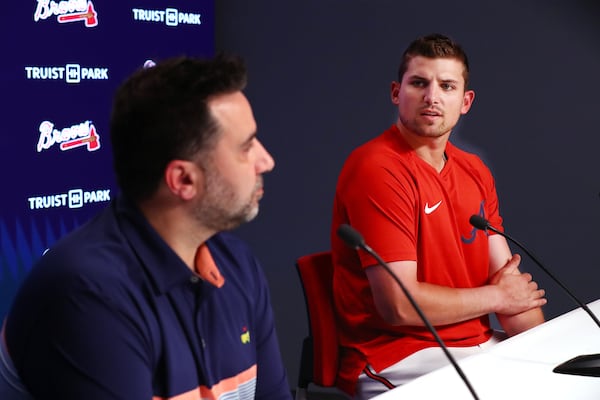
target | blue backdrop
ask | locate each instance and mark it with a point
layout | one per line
(61, 63)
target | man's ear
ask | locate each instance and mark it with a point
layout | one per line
(183, 178)
(395, 92)
(468, 99)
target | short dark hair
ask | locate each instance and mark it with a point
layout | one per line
(434, 45)
(160, 114)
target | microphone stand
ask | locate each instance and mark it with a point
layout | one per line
(586, 365)
(351, 237)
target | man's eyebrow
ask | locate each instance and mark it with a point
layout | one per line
(249, 139)
(419, 77)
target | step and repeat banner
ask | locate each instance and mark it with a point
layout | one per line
(61, 64)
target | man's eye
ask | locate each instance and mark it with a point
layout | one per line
(418, 83)
(248, 145)
(447, 86)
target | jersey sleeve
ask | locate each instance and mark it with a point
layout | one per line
(379, 200)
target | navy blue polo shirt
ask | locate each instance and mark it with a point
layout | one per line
(111, 312)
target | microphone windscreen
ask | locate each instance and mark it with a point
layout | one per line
(479, 222)
(350, 236)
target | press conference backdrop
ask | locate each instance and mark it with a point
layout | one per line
(319, 75)
(61, 63)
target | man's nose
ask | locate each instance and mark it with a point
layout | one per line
(264, 162)
(432, 94)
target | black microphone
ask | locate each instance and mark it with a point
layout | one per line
(355, 240)
(588, 365)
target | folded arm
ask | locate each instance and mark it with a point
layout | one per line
(510, 294)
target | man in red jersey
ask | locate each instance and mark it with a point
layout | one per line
(411, 192)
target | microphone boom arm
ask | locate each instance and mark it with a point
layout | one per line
(354, 240)
(586, 365)
(428, 324)
(555, 279)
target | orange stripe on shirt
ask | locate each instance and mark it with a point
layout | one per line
(225, 386)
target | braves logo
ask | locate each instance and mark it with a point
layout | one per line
(67, 11)
(473, 233)
(83, 134)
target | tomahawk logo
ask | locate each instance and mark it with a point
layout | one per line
(81, 135)
(67, 11)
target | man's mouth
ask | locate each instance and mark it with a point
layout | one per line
(431, 113)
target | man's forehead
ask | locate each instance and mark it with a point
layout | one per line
(441, 68)
(234, 114)
(231, 108)
(228, 102)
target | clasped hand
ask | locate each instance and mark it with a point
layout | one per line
(518, 291)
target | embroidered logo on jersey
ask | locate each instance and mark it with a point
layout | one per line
(245, 336)
(473, 233)
(429, 210)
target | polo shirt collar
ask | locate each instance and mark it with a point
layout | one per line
(162, 265)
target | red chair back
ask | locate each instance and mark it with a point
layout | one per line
(316, 275)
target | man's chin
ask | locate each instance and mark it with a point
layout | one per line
(245, 217)
(432, 133)
(252, 213)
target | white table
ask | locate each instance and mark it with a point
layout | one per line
(520, 367)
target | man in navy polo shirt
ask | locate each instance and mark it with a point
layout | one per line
(151, 299)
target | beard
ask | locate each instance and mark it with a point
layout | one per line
(221, 208)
